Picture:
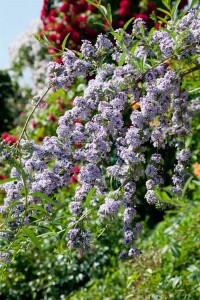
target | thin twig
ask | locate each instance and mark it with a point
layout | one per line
(29, 117)
(190, 71)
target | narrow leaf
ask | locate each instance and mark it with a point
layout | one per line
(8, 180)
(109, 13)
(164, 11)
(175, 251)
(30, 234)
(89, 196)
(45, 197)
(65, 41)
(127, 23)
(175, 8)
(122, 59)
(103, 10)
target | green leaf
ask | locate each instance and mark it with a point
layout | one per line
(175, 251)
(164, 21)
(10, 206)
(175, 281)
(45, 197)
(65, 41)
(8, 180)
(134, 48)
(103, 10)
(194, 2)
(117, 36)
(109, 13)
(29, 233)
(175, 8)
(93, 3)
(101, 24)
(89, 196)
(36, 207)
(122, 59)
(187, 185)
(127, 24)
(164, 11)
(166, 3)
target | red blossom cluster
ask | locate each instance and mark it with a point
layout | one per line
(8, 138)
(77, 17)
(73, 177)
(63, 17)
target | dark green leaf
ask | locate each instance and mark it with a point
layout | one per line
(175, 251)
(29, 233)
(8, 180)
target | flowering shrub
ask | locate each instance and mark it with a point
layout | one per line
(118, 145)
(61, 17)
(58, 19)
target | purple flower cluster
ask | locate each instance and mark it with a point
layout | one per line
(113, 134)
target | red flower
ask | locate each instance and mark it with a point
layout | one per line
(33, 124)
(151, 7)
(77, 121)
(4, 135)
(124, 12)
(125, 8)
(76, 36)
(73, 179)
(81, 19)
(142, 16)
(40, 139)
(58, 60)
(65, 7)
(51, 118)
(60, 27)
(69, 29)
(62, 106)
(91, 32)
(2, 177)
(51, 19)
(52, 37)
(77, 145)
(53, 13)
(92, 8)
(8, 138)
(75, 24)
(76, 170)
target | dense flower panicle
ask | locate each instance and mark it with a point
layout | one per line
(114, 137)
(79, 239)
(109, 208)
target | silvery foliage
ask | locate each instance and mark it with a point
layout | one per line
(115, 137)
